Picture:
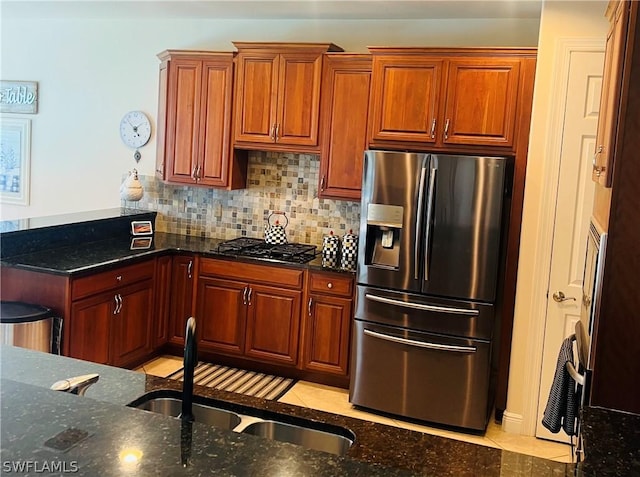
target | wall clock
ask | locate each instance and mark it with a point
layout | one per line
(135, 131)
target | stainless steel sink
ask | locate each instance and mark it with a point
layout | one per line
(246, 420)
(304, 436)
(205, 414)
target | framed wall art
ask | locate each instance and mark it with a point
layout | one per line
(15, 159)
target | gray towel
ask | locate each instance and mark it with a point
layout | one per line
(562, 406)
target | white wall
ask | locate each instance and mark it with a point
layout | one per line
(90, 72)
(572, 19)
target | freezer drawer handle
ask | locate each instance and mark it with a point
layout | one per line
(421, 344)
(418, 306)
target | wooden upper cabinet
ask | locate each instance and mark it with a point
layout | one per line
(404, 98)
(346, 81)
(448, 99)
(256, 91)
(277, 95)
(194, 119)
(481, 101)
(610, 99)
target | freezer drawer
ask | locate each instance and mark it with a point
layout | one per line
(418, 312)
(420, 375)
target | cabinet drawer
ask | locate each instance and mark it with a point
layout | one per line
(331, 284)
(253, 273)
(113, 278)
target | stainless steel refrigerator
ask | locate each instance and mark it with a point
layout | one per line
(431, 253)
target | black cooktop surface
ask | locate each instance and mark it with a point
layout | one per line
(257, 248)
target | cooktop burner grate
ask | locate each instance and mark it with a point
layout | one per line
(257, 248)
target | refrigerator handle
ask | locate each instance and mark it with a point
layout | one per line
(416, 245)
(420, 344)
(430, 199)
(420, 306)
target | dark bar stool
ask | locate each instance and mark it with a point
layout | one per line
(29, 326)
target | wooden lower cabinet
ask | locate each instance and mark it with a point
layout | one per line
(113, 327)
(131, 326)
(273, 319)
(221, 315)
(249, 311)
(327, 323)
(326, 337)
(183, 273)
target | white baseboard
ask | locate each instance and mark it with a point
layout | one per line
(512, 423)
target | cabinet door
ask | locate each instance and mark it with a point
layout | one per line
(256, 97)
(131, 332)
(221, 315)
(481, 101)
(215, 115)
(162, 301)
(298, 105)
(345, 103)
(327, 332)
(181, 308)
(404, 98)
(610, 96)
(183, 116)
(273, 321)
(90, 326)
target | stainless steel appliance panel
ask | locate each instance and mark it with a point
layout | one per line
(421, 375)
(410, 310)
(392, 196)
(462, 241)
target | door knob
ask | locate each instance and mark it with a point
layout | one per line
(559, 297)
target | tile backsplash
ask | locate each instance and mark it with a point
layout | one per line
(285, 182)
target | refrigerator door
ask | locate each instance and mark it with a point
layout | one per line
(392, 215)
(420, 313)
(421, 375)
(464, 207)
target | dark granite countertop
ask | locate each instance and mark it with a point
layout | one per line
(92, 256)
(32, 414)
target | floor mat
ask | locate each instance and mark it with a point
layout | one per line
(240, 381)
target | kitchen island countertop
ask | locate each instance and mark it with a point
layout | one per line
(32, 414)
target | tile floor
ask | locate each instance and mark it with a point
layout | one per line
(336, 400)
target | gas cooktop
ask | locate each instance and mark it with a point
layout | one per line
(257, 248)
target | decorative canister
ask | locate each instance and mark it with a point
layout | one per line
(330, 245)
(330, 261)
(349, 252)
(274, 233)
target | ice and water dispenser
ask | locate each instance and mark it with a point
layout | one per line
(383, 234)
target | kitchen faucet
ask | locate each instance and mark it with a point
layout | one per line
(76, 385)
(190, 362)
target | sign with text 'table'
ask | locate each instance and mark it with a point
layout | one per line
(19, 97)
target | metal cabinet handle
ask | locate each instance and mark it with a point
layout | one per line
(189, 267)
(249, 296)
(244, 295)
(421, 344)
(433, 129)
(121, 302)
(322, 184)
(119, 278)
(446, 128)
(559, 297)
(310, 304)
(193, 174)
(115, 298)
(329, 285)
(272, 133)
(277, 129)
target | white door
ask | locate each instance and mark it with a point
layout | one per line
(573, 210)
